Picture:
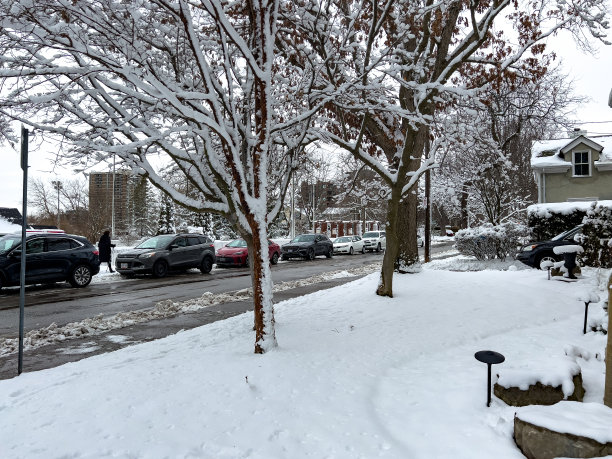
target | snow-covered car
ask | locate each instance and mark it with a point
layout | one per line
(236, 253)
(348, 244)
(308, 246)
(375, 240)
(159, 254)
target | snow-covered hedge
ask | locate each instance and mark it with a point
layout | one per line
(548, 220)
(488, 241)
(597, 236)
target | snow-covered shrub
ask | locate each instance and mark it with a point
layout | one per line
(597, 236)
(488, 241)
(548, 220)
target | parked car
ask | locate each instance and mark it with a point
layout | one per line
(534, 253)
(375, 240)
(160, 254)
(236, 253)
(420, 241)
(348, 244)
(49, 258)
(308, 246)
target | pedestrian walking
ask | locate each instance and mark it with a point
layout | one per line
(104, 247)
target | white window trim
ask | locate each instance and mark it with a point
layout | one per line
(588, 152)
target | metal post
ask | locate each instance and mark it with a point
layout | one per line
(488, 384)
(113, 202)
(292, 229)
(24, 167)
(58, 186)
(586, 313)
(313, 208)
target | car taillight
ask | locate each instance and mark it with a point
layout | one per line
(211, 245)
(96, 252)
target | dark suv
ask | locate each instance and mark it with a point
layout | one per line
(534, 253)
(49, 258)
(308, 246)
(159, 254)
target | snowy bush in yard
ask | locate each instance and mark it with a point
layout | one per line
(489, 241)
(597, 236)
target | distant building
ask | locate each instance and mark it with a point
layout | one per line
(101, 197)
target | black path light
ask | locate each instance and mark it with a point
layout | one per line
(490, 358)
(587, 298)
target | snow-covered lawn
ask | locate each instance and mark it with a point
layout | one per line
(355, 376)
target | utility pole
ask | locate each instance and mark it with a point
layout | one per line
(427, 207)
(313, 207)
(58, 186)
(292, 229)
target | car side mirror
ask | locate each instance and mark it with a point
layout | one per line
(15, 253)
(173, 246)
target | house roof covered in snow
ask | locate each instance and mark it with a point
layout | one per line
(551, 153)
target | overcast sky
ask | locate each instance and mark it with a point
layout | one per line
(591, 74)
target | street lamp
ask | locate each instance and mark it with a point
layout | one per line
(58, 186)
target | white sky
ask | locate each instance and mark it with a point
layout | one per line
(590, 72)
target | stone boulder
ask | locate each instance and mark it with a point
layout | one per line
(567, 429)
(547, 384)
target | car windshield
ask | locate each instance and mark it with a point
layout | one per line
(371, 234)
(343, 239)
(304, 238)
(156, 242)
(237, 243)
(9, 242)
(562, 235)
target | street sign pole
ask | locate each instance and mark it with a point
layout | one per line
(24, 167)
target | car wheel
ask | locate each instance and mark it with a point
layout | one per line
(80, 276)
(363, 250)
(311, 254)
(246, 261)
(545, 257)
(284, 257)
(378, 247)
(206, 265)
(160, 268)
(351, 251)
(330, 252)
(274, 259)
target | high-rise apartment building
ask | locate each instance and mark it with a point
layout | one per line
(101, 197)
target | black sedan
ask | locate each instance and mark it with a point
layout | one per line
(50, 257)
(308, 246)
(534, 253)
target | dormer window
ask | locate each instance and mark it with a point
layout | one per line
(582, 164)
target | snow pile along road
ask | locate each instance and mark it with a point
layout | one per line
(164, 309)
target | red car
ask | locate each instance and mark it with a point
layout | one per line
(236, 253)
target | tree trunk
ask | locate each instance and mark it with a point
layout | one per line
(608, 387)
(261, 277)
(385, 287)
(408, 255)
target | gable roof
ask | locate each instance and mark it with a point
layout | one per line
(550, 153)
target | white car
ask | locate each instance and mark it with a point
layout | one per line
(420, 241)
(348, 244)
(375, 240)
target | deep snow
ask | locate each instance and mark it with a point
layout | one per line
(355, 375)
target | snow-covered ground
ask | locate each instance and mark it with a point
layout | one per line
(355, 375)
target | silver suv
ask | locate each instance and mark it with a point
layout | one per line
(374, 240)
(159, 254)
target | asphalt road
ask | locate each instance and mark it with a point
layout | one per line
(61, 304)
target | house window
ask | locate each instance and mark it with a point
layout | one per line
(582, 166)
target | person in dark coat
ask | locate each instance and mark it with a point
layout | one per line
(104, 247)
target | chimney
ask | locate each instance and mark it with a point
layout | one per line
(577, 132)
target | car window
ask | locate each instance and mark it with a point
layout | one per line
(193, 240)
(180, 241)
(9, 242)
(237, 243)
(304, 238)
(383, 234)
(55, 245)
(371, 234)
(204, 240)
(343, 239)
(35, 246)
(156, 242)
